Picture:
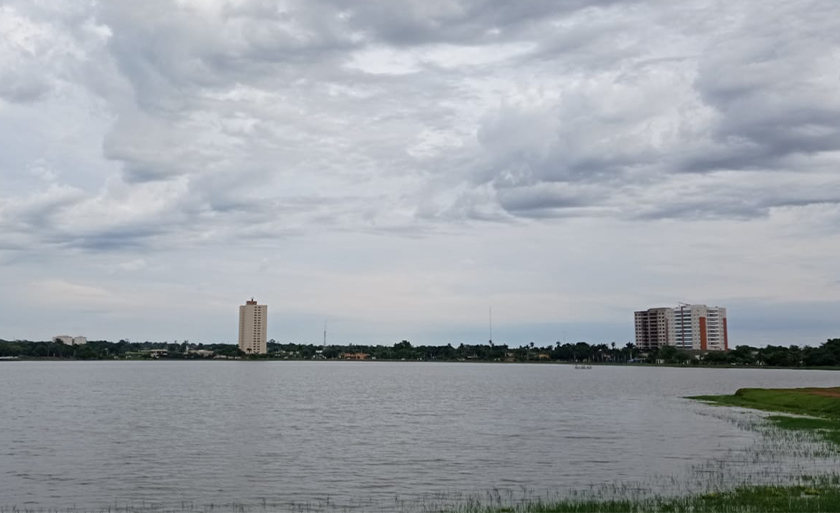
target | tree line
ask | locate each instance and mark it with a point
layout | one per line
(824, 355)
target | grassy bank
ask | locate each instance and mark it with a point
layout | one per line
(752, 499)
(820, 405)
(821, 402)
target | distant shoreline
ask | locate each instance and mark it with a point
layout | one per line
(333, 360)
(825, 356)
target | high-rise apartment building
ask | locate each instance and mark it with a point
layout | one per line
(654, 327)
(695, 327)
(252, 325)
(700, 327)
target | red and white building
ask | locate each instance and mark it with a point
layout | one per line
(690, 327)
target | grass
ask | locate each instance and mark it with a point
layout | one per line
(827, 428)
(821, 405)
(817, 496)
(748, 499)
(822, 402)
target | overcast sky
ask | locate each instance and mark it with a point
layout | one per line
(397, 167)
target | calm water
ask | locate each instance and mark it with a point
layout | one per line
(91, 434)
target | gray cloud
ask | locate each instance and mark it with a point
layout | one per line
(774, 88)
(757, 97)
(418, 22)
(23, 88)
(208, 128)
(120, 238)
(218, 95)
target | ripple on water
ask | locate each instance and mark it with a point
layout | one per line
(92, 433)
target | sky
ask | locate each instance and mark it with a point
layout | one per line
(396, 169)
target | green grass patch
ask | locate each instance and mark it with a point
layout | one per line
(821, 404)
(827, 428)
(749, 499)
(801, 423)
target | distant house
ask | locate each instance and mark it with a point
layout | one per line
(354, 356)
(67, 340)
(204, 353)
(543, 356)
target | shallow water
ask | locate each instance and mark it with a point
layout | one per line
(94, 434)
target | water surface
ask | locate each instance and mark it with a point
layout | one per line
(92, 434)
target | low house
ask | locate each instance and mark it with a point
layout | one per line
(67, 340)
(354, 356)
(203, 353)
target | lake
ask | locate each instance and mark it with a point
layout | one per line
(358, 435)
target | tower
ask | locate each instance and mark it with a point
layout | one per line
(252, 326)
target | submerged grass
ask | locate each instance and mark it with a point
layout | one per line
(822, 405)
(821, 495)
(822, 402)
(813, 496)
(822, 408)
(750, 499)
(826, 428)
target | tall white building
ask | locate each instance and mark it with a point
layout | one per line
(695, 327)
(700, 327)
(70, 341)
(252, 325)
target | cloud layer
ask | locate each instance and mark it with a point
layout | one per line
(147, 142)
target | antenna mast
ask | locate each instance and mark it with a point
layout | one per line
(491, 325)
(682, 323)
(325, 333)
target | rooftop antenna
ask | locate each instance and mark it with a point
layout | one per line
(491, 325)
(682, 323)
